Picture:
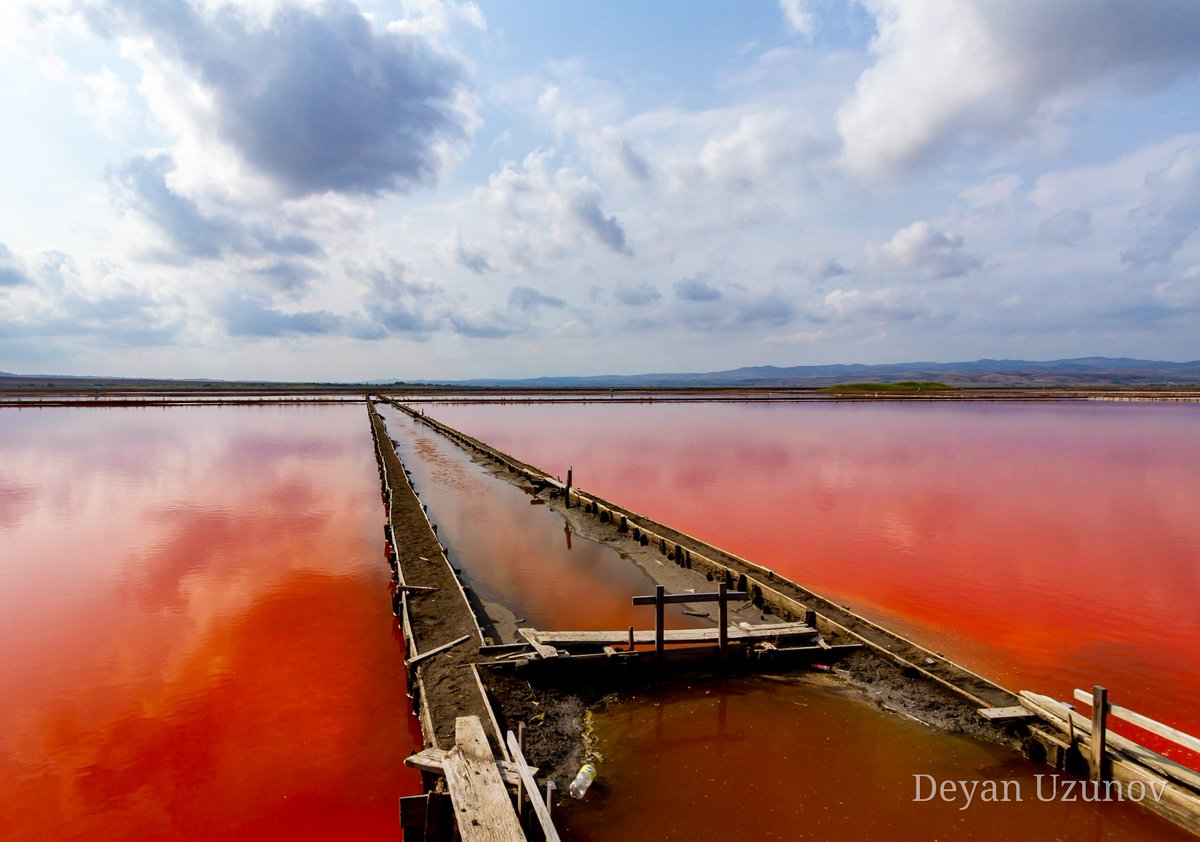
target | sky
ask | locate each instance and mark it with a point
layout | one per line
(414, 189)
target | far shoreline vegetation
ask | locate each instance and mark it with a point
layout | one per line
(902, 386)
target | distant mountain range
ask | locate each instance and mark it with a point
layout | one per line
(1082, 371)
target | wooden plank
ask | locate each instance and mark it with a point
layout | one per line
(680, 598)
(502, 648)
(1145, 723)
(1065, 717)
(482, 807)
(1014, 713)
(539, 806)
(711, 635)
(487, 703)
(432, 759)
(542, 649)
(416, 659)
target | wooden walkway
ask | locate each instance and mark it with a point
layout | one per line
(796, 632)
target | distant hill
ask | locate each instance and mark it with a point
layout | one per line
(1082, 371)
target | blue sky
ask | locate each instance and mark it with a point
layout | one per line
(319, 189)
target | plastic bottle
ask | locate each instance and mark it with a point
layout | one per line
(587, 774)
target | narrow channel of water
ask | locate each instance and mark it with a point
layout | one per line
(1048, 546)
(520, 555)
(745, 759)
(197, 640)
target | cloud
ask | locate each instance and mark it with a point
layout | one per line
(141, 184)
(935, 253)
(585, 205)
(636, 294)
(245, 315)
(696, 289)
(398, 304)
(545, 211)
(312, 97)
(529, 300)
(949, 74)
(470, 257)
(12, 270)
(483, 325)
(1170, 213)
(854, 305)
(798, 17)
(1068, 227)
(770, 309)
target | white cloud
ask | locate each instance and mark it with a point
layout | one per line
(950, 74)
(928, 250)
(798, 16)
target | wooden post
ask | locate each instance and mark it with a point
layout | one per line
(658, 623)
(810, 618)
(1099, 730)
(569, 470)
(551, 787)
(723, 619)
(631, 639)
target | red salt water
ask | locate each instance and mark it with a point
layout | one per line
(197, 642)
(1049, 546)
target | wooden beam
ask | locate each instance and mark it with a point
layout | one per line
(542, 649)
(432, 759)
(416, 659)
(659, 624)
(1145, 723)
(535, 799)
(682, 598)
(1015, 713)
(550, 639)
(482, 807)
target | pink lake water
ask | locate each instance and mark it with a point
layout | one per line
(1048, 546)
(197, 638)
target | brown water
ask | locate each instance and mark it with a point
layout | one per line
(754, 759)
(1049, 546)
(197, 641)
(520, 555)
(744, 759)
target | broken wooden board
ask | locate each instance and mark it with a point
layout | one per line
(482, 809)
(433, 759)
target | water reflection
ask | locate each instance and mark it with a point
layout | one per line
(197, 640)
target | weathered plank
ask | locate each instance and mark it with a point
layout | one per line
(531, 787)
(482, 808)
(542, 649)
(1013, 713)
(432, 760)
(416, 659)
(615, 638)
(1145, 723)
